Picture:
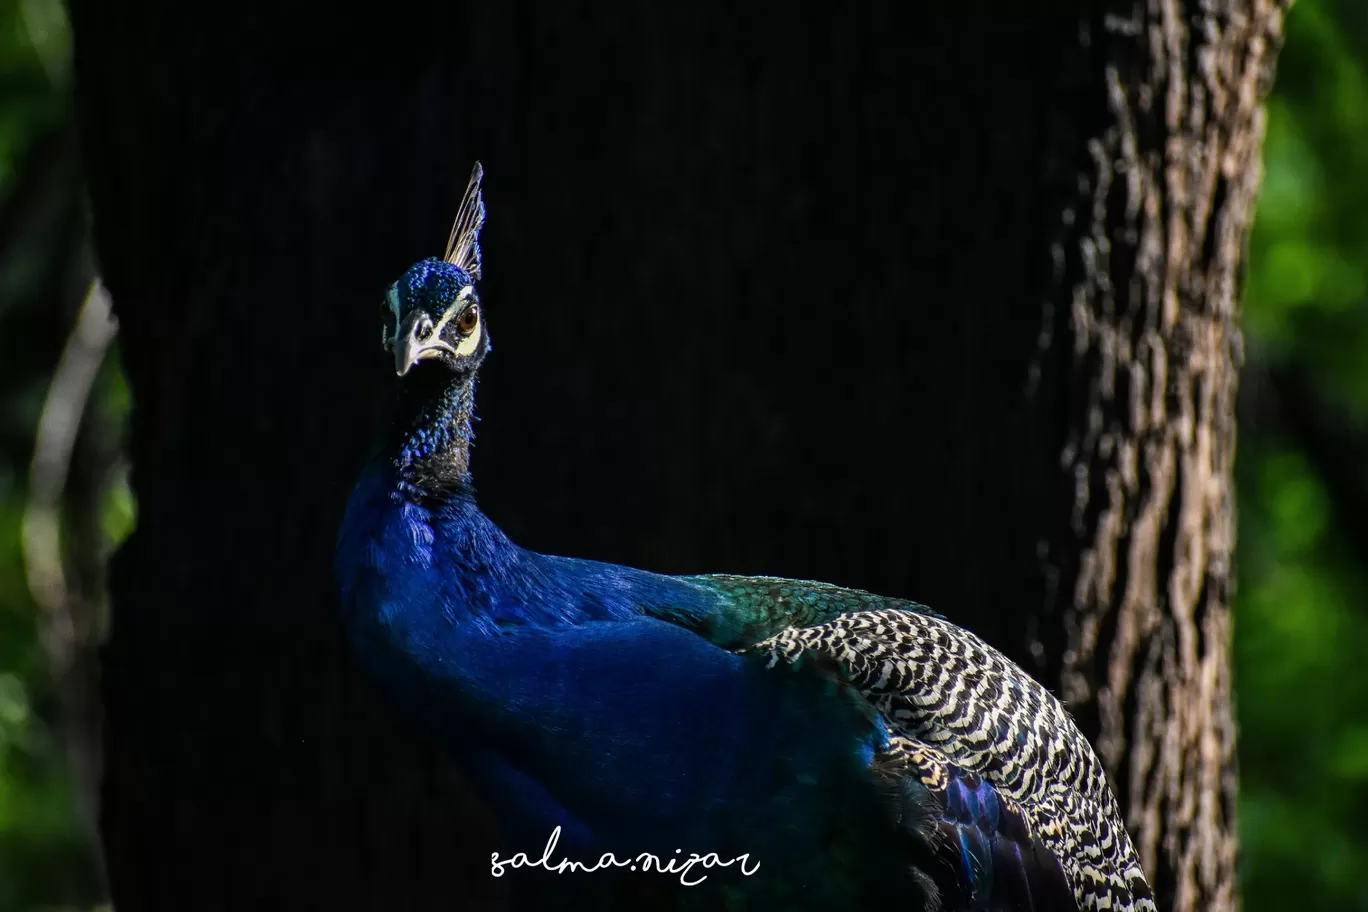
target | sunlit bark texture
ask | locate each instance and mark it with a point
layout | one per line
(1150, 259)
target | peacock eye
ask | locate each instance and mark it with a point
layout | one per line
(468, 319)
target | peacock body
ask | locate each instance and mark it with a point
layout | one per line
(853, 747)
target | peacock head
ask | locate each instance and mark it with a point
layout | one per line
(433, 313)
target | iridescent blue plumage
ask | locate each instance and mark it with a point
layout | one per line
(432, 285)
(710, 714)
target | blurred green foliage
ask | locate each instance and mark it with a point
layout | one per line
(1301, 612)
(45, 852)
(1301, 651)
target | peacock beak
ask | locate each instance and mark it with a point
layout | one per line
(415, 340)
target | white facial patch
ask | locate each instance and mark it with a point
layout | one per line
(471, 341)
(435, 344)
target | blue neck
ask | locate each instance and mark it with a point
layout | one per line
(432, 435)
(432, 557)
(563, 693)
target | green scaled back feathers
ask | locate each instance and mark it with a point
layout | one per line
(949, 700)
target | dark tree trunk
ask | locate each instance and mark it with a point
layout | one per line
(944, 313)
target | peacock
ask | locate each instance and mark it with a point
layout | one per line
(851, 747)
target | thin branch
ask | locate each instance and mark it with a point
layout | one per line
(64, 613)
(55, 440)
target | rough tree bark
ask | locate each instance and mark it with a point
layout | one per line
(946, 314)
(1151, 260)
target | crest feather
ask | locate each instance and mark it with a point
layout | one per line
(463, 246)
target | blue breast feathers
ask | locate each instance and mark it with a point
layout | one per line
(549, 680)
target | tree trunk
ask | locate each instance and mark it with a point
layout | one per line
(945, 314)
(1151, 261)
(1151, 258)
